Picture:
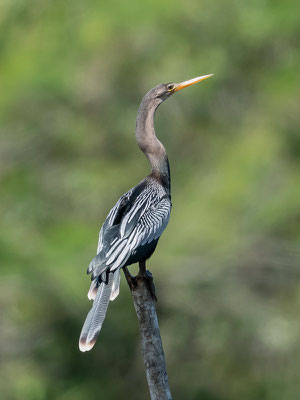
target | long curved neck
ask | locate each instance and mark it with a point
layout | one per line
(147, 140)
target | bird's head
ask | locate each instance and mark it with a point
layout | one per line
(165, 90)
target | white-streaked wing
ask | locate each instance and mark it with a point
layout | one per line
(143, 221)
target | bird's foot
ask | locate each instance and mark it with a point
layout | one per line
(148, 278)
(131, 280)
(143, 276)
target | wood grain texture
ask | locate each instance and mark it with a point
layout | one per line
(144, 300)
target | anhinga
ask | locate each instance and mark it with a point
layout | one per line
(132, 228)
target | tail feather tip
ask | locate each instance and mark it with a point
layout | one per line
(84, 346)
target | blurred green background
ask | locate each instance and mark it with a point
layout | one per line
(227, 271)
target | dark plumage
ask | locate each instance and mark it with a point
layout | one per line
(134, 225)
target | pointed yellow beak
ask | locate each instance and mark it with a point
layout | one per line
(184, 84)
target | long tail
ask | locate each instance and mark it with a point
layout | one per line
(94, 320)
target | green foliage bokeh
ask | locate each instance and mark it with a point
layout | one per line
(227, 271)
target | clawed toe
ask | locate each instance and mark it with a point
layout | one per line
(143, 275)
(131, 280)
(149, 278)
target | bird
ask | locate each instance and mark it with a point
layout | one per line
(134, 225)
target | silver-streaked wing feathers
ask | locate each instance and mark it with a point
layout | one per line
(130, 224)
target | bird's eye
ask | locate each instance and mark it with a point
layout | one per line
(170, 86)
